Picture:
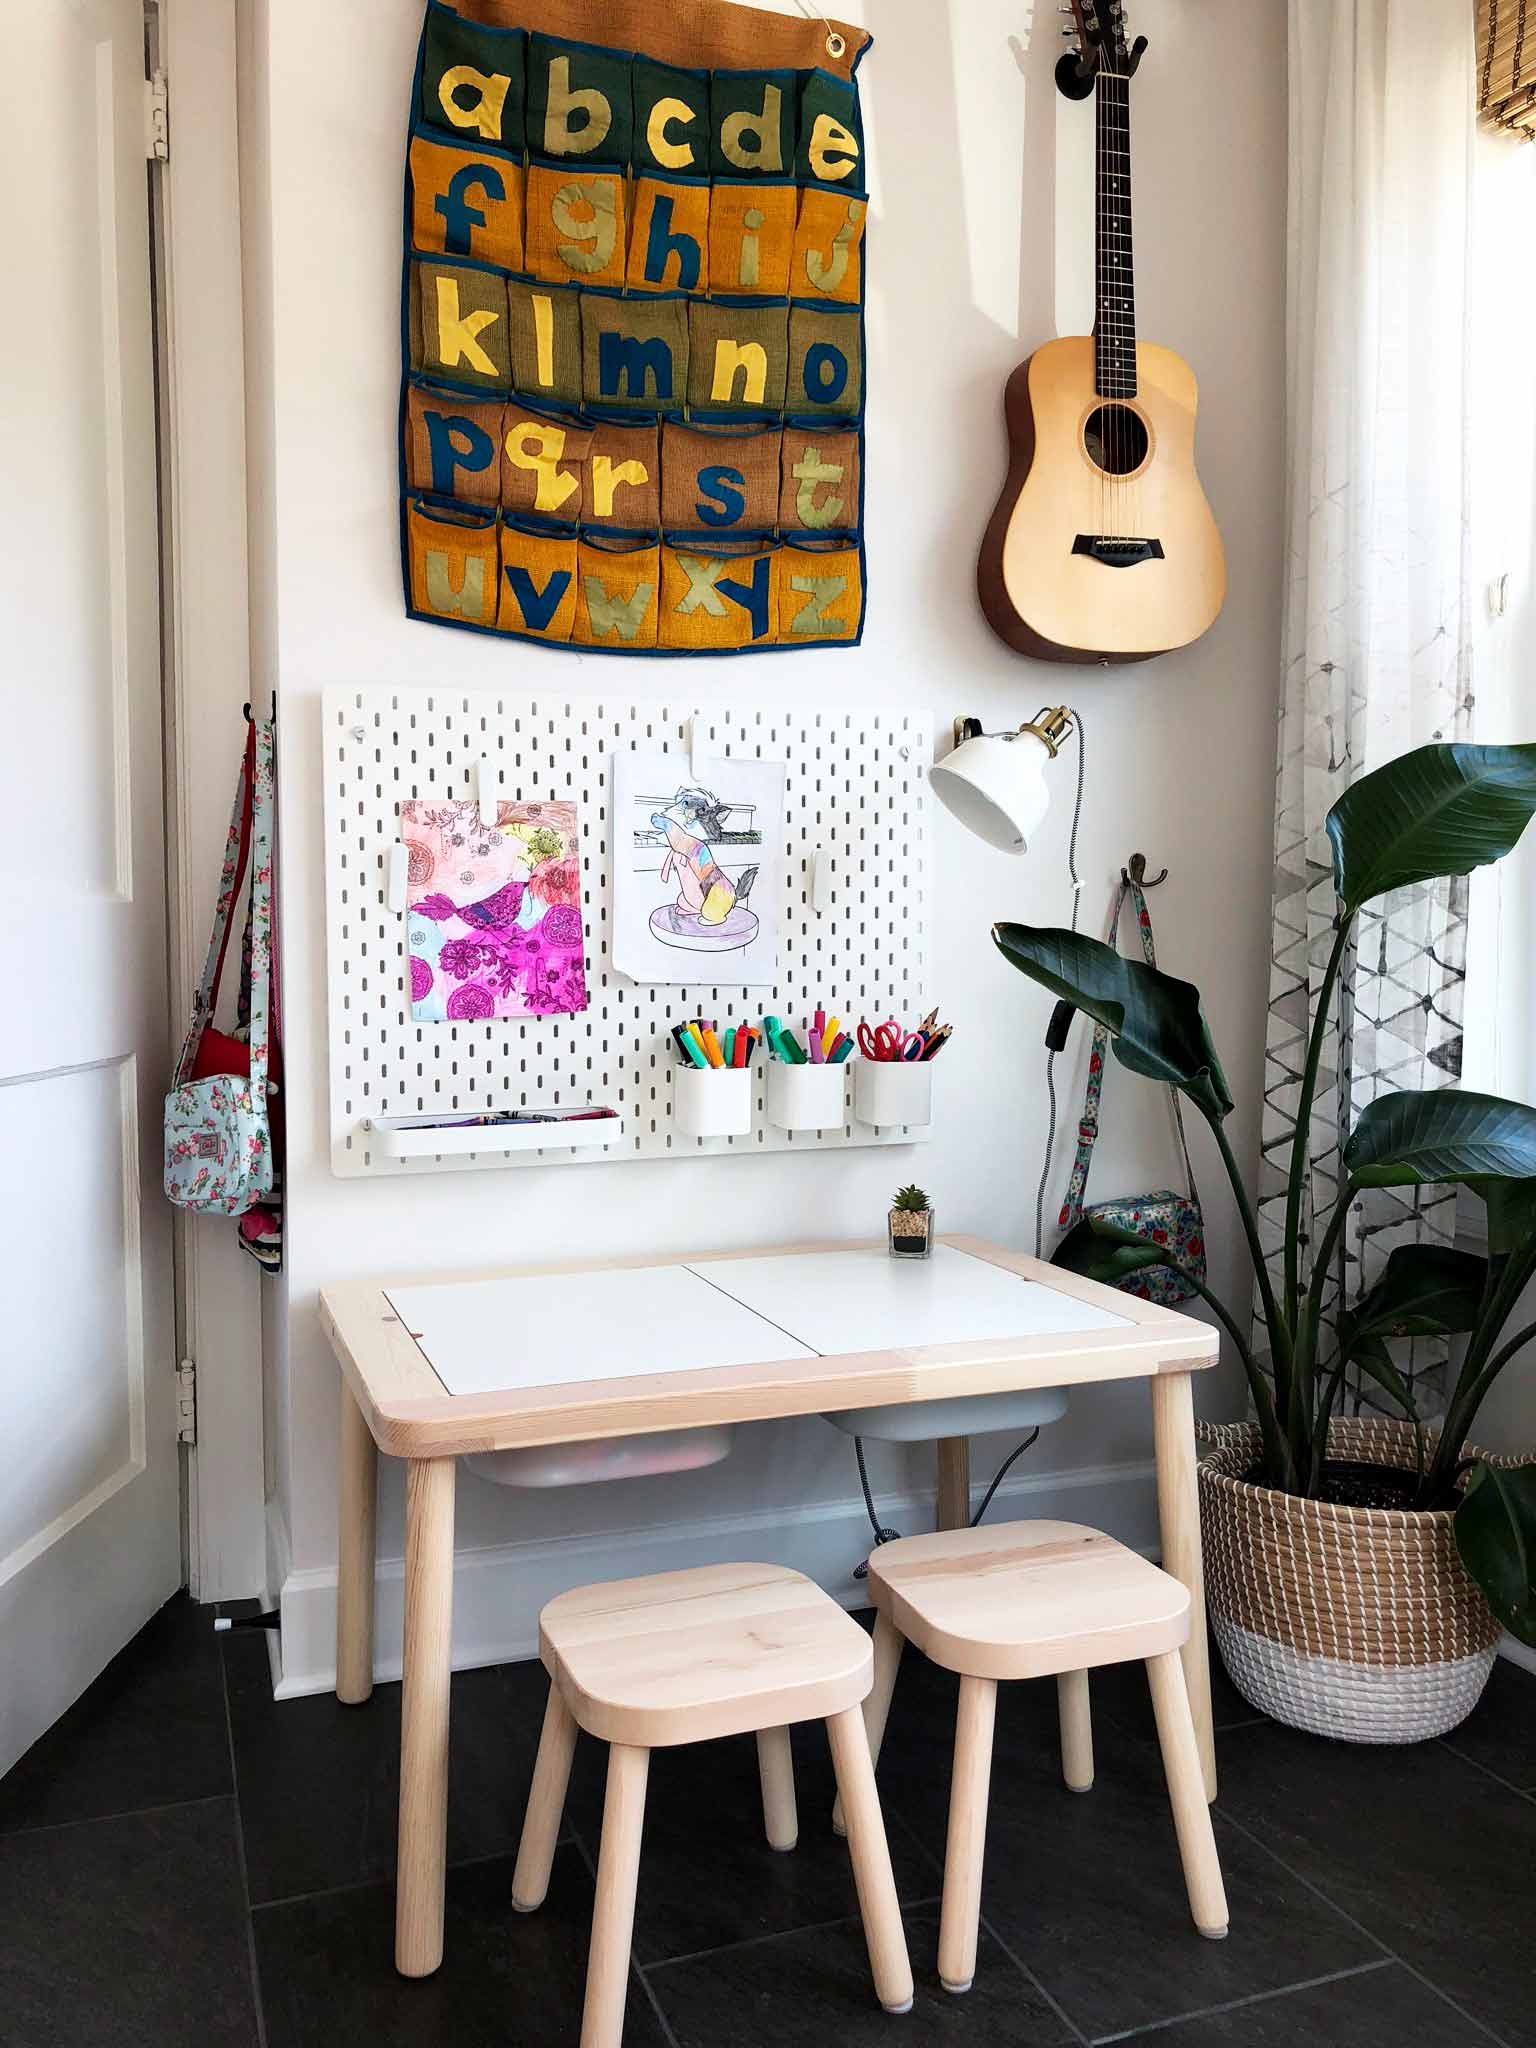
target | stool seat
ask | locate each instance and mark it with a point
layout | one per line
(685, 1656)
(1027, 1599)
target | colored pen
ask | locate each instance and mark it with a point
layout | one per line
(832, 1031)
(712, 1047)
(813, 1042)
(686, 1046)
(697, 1037)
(842, 1049)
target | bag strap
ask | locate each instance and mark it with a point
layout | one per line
(261, 910)
(1149, 952)
(1088, 1126)
(237, 846)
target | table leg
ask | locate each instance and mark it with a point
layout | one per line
(356, 1546)
(1178, 1507)
(427, 1666)
(954, 1482)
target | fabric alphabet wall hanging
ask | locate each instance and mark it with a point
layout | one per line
(632, 317)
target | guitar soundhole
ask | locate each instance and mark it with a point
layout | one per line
(1116, 439)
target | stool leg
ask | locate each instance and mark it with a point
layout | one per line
(546, 1803)
(871, 1856)
(1186, 1791)
(613, 1915)
(776, 1768)
(889, 1644)
(960, 1914)
(1076, 1714)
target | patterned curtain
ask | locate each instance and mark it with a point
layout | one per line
(1377, 623)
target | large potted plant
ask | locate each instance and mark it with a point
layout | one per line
(1359, 1569)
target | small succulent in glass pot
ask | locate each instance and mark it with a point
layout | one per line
(911, 1224)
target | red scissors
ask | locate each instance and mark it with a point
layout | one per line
(889, 1042)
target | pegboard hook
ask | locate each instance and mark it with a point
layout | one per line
(487, 791)
(695, 719)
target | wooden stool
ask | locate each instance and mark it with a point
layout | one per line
(1035, 1600)
(683, 1657)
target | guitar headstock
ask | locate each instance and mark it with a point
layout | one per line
(1097, 30)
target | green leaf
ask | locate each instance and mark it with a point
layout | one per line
(1442, 1134)
(1425, 1290)
(1106, 1252)
(1511, 1206)
(1375, 1360)
(1496, 1535)
(1436, 811)
(1159, 1029)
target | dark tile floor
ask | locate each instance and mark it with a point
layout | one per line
(184, 1864)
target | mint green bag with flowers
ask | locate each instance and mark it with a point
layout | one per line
(218, 1134)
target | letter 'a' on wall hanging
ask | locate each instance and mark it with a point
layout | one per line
(632, 317)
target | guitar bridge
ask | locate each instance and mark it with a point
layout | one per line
(1117, 550)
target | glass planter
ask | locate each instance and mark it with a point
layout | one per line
(911, 1233)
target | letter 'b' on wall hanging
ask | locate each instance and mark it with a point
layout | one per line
(632, 313)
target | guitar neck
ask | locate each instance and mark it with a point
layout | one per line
(1115, 279)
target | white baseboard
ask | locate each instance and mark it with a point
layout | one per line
(497, 1593)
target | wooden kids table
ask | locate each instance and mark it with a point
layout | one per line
(559, 1354)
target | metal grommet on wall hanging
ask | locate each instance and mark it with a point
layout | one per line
(837, 45)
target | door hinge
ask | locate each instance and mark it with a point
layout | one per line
(157, 118)
(186, 1402)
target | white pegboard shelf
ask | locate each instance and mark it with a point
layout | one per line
(398, 1138)
(856, 791)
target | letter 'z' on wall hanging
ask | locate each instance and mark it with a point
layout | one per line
(632, 319)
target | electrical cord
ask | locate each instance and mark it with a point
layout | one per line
(1002, 1474)
(861, 1571)
(1050, 1057)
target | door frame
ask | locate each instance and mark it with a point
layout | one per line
(200, 334)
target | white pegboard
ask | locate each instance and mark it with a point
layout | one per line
(855, 787)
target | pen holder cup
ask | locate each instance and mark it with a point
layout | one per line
(893, 1092)
(712, 1102)
(806, 1098)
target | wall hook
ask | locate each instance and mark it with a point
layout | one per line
(1138, 873)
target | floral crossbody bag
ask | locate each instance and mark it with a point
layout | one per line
(1164, 1216)
(218, 1133)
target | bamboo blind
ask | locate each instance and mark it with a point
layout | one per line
(1506, 66)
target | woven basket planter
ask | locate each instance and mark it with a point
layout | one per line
(1359, 1623)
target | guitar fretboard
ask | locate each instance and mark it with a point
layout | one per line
(1115, 325)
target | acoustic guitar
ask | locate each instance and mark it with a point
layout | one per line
(1102, 547)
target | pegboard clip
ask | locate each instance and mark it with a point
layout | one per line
(695, 773)
(396, 875)
(821, 880)
(487, 790)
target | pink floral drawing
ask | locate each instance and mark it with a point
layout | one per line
(494, 916)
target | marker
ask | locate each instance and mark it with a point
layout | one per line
(832, 1032)
(813, 1039)
(697, 1038)
(712, 1047)
(842, 1050)
(687, 1048)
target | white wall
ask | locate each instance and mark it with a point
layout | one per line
(963, 141)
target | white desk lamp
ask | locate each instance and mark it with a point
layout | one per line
(995, 782)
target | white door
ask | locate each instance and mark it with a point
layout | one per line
(89, 1510)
